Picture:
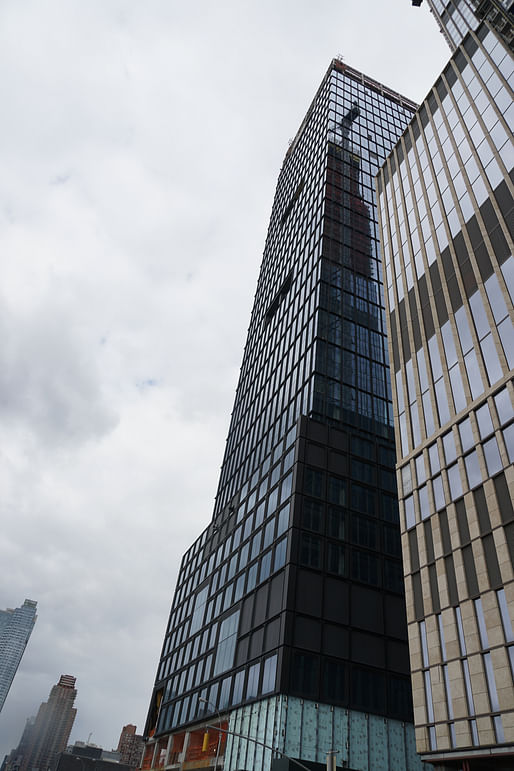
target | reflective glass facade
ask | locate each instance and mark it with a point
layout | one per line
(292, 598)
(456, 17)
(445, 199)
(16, 626)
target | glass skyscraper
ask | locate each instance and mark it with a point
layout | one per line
(288, 626)
(445, 198)
(16, 625)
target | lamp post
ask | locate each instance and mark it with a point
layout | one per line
(256, 741)
(209, 703)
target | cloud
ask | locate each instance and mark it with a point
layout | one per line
(49, 385)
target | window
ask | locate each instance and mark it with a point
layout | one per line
(313, 482)
(312, 515)
(337, 491)
(226, 643)
(269, 674)
(310, 551)
(365, 567)
(252, 687)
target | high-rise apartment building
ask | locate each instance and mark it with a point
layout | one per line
(47, 736)
(16, 625)
(445, 198)
(288, 623)
(130, 746)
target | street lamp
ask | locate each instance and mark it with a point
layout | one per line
(255, 741)
(210, 704)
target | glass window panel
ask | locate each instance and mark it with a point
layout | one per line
(454, 482)
(424, 505)
(416, 428)
(503, 406)
(491, 361)
(441, 636)
(403, 434)
(492, 456)
(399, 392)
(479, 315)
(424, 643)
(252, 687)
(450, 451)
(496, 301)
(448, 696)
(410, 517)
(498, 728)
(428, 414)
(505, 615)
(269, 674)
(428, 693)
(406, 479)
(438, 492)
(433, 455)
(473, 469)
(491, 685)
(442, 402)
(508, 275)
(422, 369)
(435, 359)
(485, 424)
(459, 396)
(474, 732)
(474, 376)
(410, 381)
(237, 694)
(481, 623)
(420, 469)
(506, 333)
(508, 438)
(460, 631)
(449, 345)
(335, 558)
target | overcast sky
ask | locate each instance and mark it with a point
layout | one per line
(140, 147)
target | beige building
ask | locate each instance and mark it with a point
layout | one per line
(445, 202)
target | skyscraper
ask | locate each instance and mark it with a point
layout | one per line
(16, 626)
(130, 746)
(288, 621)
(47, 736)
(446, 209)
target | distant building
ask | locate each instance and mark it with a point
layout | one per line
(90, 757)
(16, 625)
(47, 736)
(130, 746)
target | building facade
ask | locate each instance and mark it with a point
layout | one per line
(445, 198)
(16, 625)
(130, 746)
(47, 736)
(288, 621)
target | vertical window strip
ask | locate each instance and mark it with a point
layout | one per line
(498, 728)
(491, 685)
(460, 631)
(441, 637)
(505, 616)
(428, 693)
(448, 691)
(467, 683)
(481, 623)
(424, 644)
(474, 732)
